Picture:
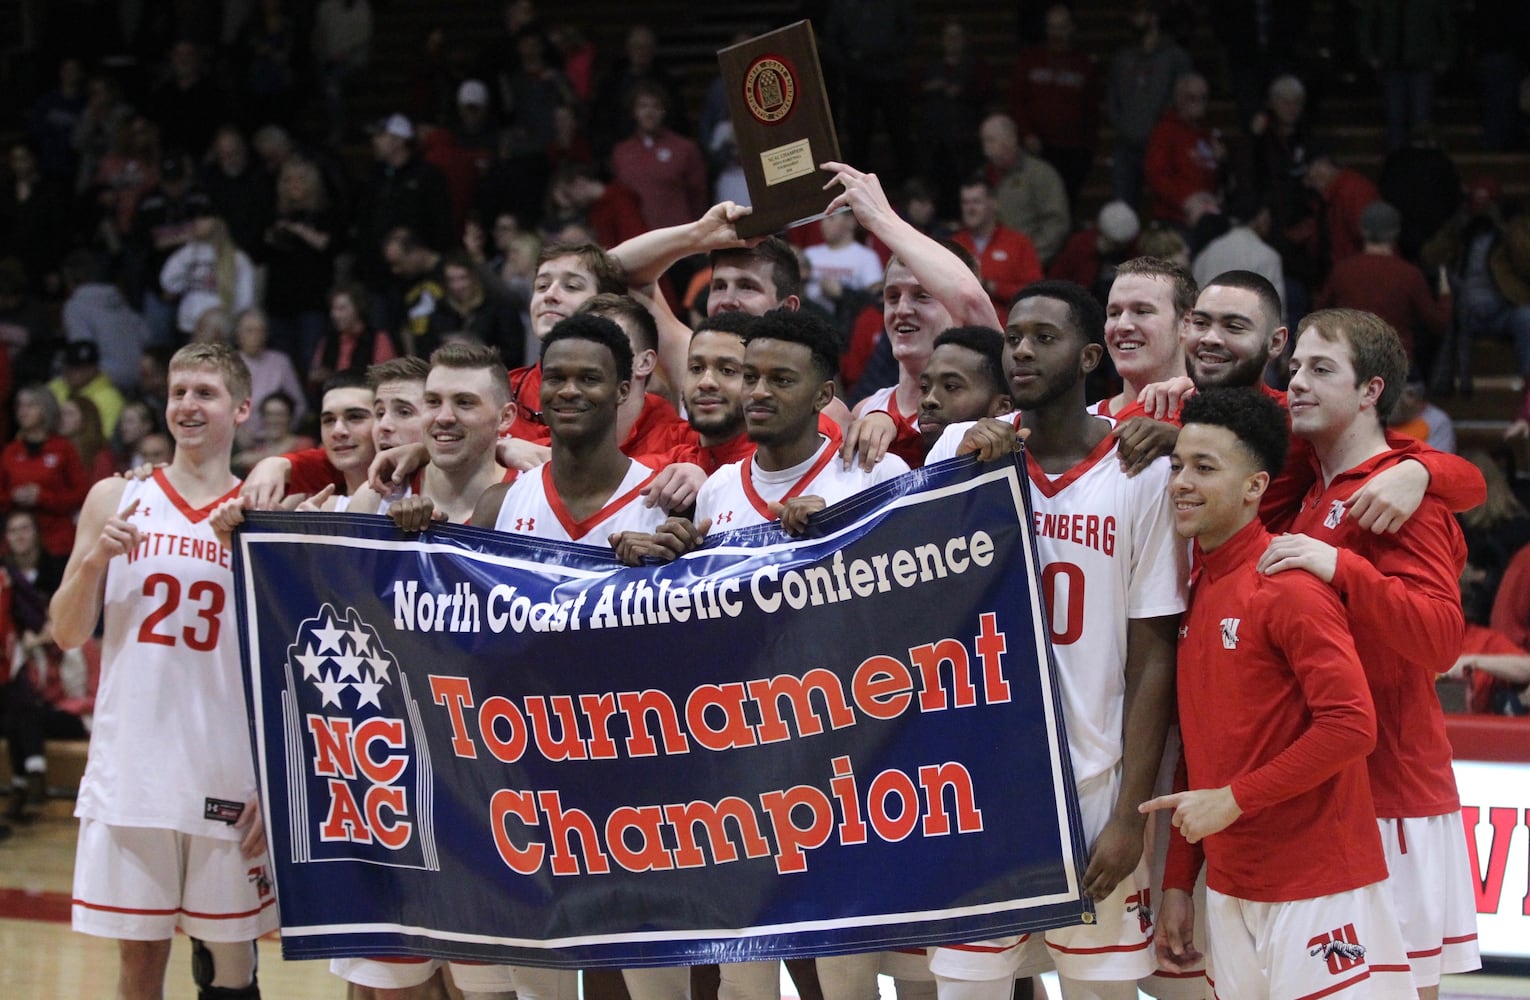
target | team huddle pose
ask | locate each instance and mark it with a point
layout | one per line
(1246, 628)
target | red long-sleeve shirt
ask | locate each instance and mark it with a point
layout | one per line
(311, 472)
(1404, 606)
(1181, 160)
(1007, 262)
(1273, 702)
(55, 467)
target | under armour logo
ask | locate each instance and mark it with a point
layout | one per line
(726, 517)
(1184, 631)
(1335, 515)
(144, 510)
(1341, 948)
(1230, 632)
(525, 524)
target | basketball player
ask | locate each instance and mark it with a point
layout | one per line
(964, 381)
(170, 832)
(1404, 607)
(1277, 720)
(1114, 601)
(346, 419)
(789, 364)
(310, 470)
(1235, 330)
(568, 274)
(1146, 316)
(927, 288)
(589, 491)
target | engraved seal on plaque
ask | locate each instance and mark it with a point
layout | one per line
(770, 89)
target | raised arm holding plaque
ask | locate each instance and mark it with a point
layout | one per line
(783, 126)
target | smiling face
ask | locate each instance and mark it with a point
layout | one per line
(464, 413)
(345, 428)
(1215, 484)
(1230, 338)
(912, 317)
(1045, 356)
(1142, 330)
(1323, 398)
(562, 285)
(201, 414)
(581, 391)
(744, 285)
(714, 385)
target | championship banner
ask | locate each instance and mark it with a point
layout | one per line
(478, 746)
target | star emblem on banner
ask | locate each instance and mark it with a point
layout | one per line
(338, 652)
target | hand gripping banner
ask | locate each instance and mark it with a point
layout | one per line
(474, 745)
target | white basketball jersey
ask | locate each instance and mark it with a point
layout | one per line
(170, 746)
(740, 494)
(1108, 553)
(532, 506)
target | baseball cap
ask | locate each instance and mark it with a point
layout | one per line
(1118, 223)
(81, 354)
(473, 92)
(1380, 222)
(394, 124)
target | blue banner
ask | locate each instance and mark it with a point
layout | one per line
(474, 745)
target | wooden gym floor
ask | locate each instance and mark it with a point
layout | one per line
(42, 959)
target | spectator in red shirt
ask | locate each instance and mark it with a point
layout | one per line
(41, 472)
(1183, 154)
(1054, 98)
(1006, 257)
(1378, 280)
(1345, 193)
(666, 170)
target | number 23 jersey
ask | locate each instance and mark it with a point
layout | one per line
(170, 734)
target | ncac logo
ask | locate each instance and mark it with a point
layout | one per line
(360, 772)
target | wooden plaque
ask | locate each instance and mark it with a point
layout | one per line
(783, 126)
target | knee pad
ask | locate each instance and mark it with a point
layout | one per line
(224, 961)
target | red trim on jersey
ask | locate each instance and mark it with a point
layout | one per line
(1336, 987)
(1051, 487)
(1106, 950)
(578, 529)
(1165, 974)
(175, 909)
(196, 515)
(986, 949)
(761, 504)
(1431, 952)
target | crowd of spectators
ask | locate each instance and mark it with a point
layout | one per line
(190, 172)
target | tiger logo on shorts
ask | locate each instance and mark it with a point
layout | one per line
(1340, 948)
